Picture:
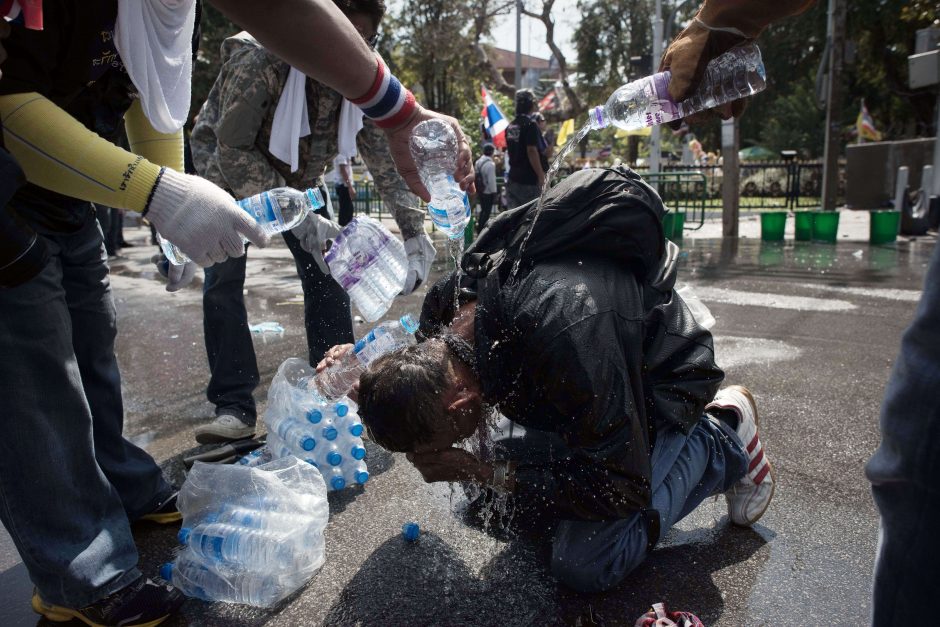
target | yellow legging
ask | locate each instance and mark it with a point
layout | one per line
(58, 153)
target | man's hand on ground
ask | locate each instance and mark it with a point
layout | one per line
(451, 464)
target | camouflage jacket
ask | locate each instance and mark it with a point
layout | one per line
(230, 139)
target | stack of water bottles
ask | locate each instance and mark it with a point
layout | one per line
(310, 417)
(370, 264)
(250, 535)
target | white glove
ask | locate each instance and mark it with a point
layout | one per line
(177, 277)
(313, 234)
(201, 220)
(421, 255)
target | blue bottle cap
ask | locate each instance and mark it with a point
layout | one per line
(314, 416)
(362, 476)
(183, 535)
(410, 531)
(358, 452)
(307, 443)
(356, 429)
(166, 571)
(338, 483)
(315, 198)
(334, 458)
(329, 433)
(310, 461)
(341, 409)
(409, 323)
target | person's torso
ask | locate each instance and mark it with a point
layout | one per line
(74, 63)
(315, 151)
(518, 139)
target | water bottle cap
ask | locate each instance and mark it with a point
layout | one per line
(341, 409)
(310, 461)
(362, 476)
(334, 458)
(329, 433)
(338, 483)
(356, 429)
(314, 416)
(183, 535)
(307, 443)
(166, 571)
(408, 322)
(410, 531)
(358, 452)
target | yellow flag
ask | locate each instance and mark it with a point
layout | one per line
(567, 128)
(646, 131)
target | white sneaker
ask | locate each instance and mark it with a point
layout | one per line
(748, 498)
(224, 428)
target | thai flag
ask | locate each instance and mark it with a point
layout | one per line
(494, 120)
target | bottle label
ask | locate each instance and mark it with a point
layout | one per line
(661, 108)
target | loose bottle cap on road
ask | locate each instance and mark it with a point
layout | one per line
(410, 531)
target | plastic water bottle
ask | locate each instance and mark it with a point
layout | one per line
(195, 580)
(292, 432)
(338, 379)
(251, 548)
(265, 520)
(334, 478)
(370, 264)
(645, 102)
(434, 148)
(355, 473)
(276, 210)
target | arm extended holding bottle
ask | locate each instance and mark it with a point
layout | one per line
(719, 26)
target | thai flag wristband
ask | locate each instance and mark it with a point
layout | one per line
(387, 103)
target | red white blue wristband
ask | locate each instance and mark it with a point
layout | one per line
(387, 103)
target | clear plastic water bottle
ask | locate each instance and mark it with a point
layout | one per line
(196, 580)
(292, 432)
(370, 264)
(233, 544)
(355, 473)
(434, 149)
(735, 74)
(265, 520)
(333, 476)
(338, 379)
(276, 210)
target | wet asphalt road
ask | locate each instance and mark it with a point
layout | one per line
(811, 329)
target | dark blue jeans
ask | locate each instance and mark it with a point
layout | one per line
(593, 556)
(905, 469)
(234, 370)
(69, 481)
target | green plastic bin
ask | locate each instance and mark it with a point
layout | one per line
(803, 227)
(669, 224)
(883, 227)
(678, 224)
(825, 226)
(772, 225)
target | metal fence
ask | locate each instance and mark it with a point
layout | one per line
(695, 189)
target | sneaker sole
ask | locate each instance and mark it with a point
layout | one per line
(218, 438)
(59, 614)
(162, 519)
(770, 467)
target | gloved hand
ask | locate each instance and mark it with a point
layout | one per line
(687, 57)
(177, 277)
(313, 234)
(421, 255)
(201, 220)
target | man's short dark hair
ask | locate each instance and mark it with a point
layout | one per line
(525, 101)
(373, 8)
(489, 149)
(400, 395)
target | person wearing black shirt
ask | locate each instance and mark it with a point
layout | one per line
(526, 175)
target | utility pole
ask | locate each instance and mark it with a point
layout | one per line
(833, 149)
(730, 178)
(655, 137)
(518, 45)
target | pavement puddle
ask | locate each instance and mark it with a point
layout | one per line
(731, 351)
